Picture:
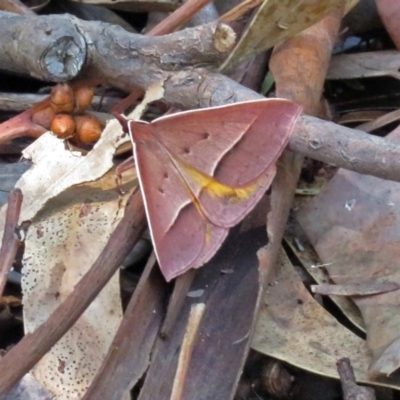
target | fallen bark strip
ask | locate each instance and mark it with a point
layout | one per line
(127, 60)
(129, 355)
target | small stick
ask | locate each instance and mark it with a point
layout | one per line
(16, 7)
(178, 17)
(10, 240)
(383, 120)
(195, 316)
(175, 305)
(238, 11)
(351, 391)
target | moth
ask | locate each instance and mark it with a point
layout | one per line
(202, 171)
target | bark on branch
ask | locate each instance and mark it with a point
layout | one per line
(59, 48)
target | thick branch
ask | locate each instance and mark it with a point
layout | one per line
(127, 60)
(43, 47)
(55, 47)
(347, 148)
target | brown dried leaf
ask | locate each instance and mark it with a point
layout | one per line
(311, 262)
(294, 328)
(276, 21)
(353, 224)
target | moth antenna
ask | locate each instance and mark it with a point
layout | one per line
(122, 120)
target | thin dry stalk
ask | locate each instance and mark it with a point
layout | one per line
(16, 7)
(177, 18)
(10, 243)
(351, 391)
(195, 316)
(238, 11)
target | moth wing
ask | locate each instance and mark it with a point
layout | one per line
(227, 154)
(183, 237)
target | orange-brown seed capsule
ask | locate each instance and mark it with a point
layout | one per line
(83, 98)
(62, 98)
(88, 129)
(44, 117)
(63, 126)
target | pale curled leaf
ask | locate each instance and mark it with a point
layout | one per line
(63, 242)
(56, 168)
(388, 362)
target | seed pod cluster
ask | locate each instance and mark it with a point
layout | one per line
(65, 114)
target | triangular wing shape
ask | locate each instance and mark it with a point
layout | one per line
(182, 235)
(236, 145)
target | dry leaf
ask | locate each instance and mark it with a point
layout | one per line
(365, 65)
(294, 328)
(71, 223)
(62, 243)
(276, 21)
(313, 265)
(353, 225)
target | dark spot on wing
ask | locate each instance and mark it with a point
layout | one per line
(161, 190)
(206, 135)
(166, 176)
(186, 150)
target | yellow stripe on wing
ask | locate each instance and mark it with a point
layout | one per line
(217, 189)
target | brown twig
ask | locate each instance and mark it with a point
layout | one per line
(134, 339)
(21, 358)
(10, 242)
(238, 11)
(383, 120)
(177, 18)
(15, 6)
(351, 391)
